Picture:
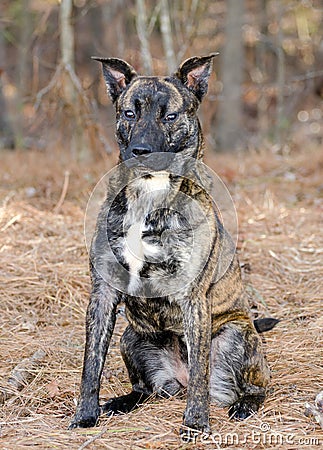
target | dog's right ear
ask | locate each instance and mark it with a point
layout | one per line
(117, 75)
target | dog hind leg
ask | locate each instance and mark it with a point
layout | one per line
(239, 371)
(156, 365)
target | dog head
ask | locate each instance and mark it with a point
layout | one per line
(157, 114)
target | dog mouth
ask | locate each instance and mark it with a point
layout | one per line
(156, 162)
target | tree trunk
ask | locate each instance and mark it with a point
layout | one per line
(74, 108)
(229, 127)
(7, 138)
(166, 32)
(279, 126)
(261, 50)
(143, 37)
(26, 29)
(67, 45)
(23, 69)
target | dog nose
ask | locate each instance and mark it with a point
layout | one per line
(141, 150)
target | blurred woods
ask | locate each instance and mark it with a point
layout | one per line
(267, 91)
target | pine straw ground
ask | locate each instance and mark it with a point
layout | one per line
(44, 289)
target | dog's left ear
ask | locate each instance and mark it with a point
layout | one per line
(194, 73)
(117, 75)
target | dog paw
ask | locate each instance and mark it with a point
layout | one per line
(240, 412)
(196, 422)
(124, 404)
(85, 422)
(111, 407)
(83, 419)
(245, 407)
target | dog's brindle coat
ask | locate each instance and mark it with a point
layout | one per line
(202, 336)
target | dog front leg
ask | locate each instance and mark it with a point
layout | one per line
(197, 323)
(100, 321)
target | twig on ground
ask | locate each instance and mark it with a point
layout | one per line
(92, 439)
(64, 192)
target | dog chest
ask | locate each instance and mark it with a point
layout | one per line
(160, 237)
(147, 217)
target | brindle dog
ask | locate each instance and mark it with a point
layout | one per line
(199, 336)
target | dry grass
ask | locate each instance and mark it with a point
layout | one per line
(44, 288)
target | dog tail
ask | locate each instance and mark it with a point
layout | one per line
(266, 324)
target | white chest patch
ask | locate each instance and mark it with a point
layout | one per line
(134, 254)
(135, 248)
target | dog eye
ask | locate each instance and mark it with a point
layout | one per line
(170, 117)
(129, 114)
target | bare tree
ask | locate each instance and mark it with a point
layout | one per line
(7, 138)
(166, 32)
(230, 108)
(143, 37)
(24, 42)
(22, 72)
(261, 53)
(67, 45)
(280, 79)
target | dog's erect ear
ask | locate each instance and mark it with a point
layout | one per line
(194, 73)
(117, 75)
